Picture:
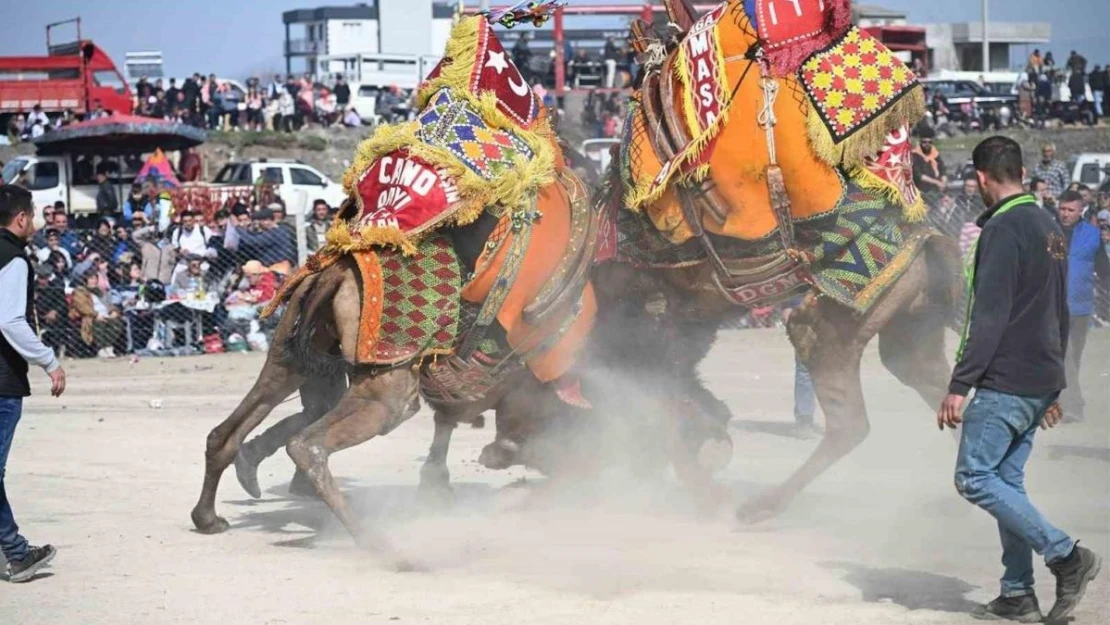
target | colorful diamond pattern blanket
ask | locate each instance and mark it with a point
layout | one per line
(853, 81)
(420, 302)
(863, 251)
(454, 124)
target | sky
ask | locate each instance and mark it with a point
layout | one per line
(239, 38)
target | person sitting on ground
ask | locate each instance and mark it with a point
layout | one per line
(99, 321)
(351, 118)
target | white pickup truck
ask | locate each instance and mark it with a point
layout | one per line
(288, 177)
(66, 178)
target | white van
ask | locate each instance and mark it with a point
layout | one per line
(1091, 169)
(287, 175)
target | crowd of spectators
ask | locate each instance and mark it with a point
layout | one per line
(132, 285)
(286, 103)
(1045, 93)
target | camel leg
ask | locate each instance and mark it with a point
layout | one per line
(372, 406)
(435, 478)
(274, 384)
(839, 338)
(318, 396)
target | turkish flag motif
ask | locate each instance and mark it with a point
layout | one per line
(494, 71)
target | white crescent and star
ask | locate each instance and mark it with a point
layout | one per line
(497, 61)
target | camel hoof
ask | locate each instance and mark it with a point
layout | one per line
(500, 454)
(759, 510)
(246, 471)
(208, 527)
(715, 454)
(435, 486)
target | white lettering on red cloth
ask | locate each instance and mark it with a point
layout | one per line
(402, 191)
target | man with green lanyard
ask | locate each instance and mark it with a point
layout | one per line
(1012, 352)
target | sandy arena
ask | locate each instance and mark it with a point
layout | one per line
(882, 538)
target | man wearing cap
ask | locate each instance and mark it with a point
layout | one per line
(929, 173)
(19, 348)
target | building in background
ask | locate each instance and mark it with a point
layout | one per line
(344, 39)
(959, 45)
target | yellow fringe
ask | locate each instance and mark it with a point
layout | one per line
(458, 61)
(867, 141)
(343, 238)
(642, 195)
(513, 188)
(867, 180)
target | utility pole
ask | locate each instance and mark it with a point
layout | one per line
(986, 42)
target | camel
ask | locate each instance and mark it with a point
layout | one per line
(458, 270)
(657, 320)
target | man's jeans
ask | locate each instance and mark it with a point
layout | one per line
(995, 443)
(805, 401)
(12, 544)
(1099, 103)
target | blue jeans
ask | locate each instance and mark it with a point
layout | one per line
(805, 401)
(12, 544)
(995, 443)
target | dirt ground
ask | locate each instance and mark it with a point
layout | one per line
(882, 538)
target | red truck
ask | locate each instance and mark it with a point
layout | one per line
(77, 76)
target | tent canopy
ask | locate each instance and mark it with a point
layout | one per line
(120, 134)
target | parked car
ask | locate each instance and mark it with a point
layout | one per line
(962, 92)
(1091, 169)
(287, 175)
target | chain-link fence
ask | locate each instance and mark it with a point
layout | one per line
(116, 289)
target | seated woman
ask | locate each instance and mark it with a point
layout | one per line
(100, 321)
(244, 304)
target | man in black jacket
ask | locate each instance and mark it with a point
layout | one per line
(1012, 352)
(106, 203)
(19, 347)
